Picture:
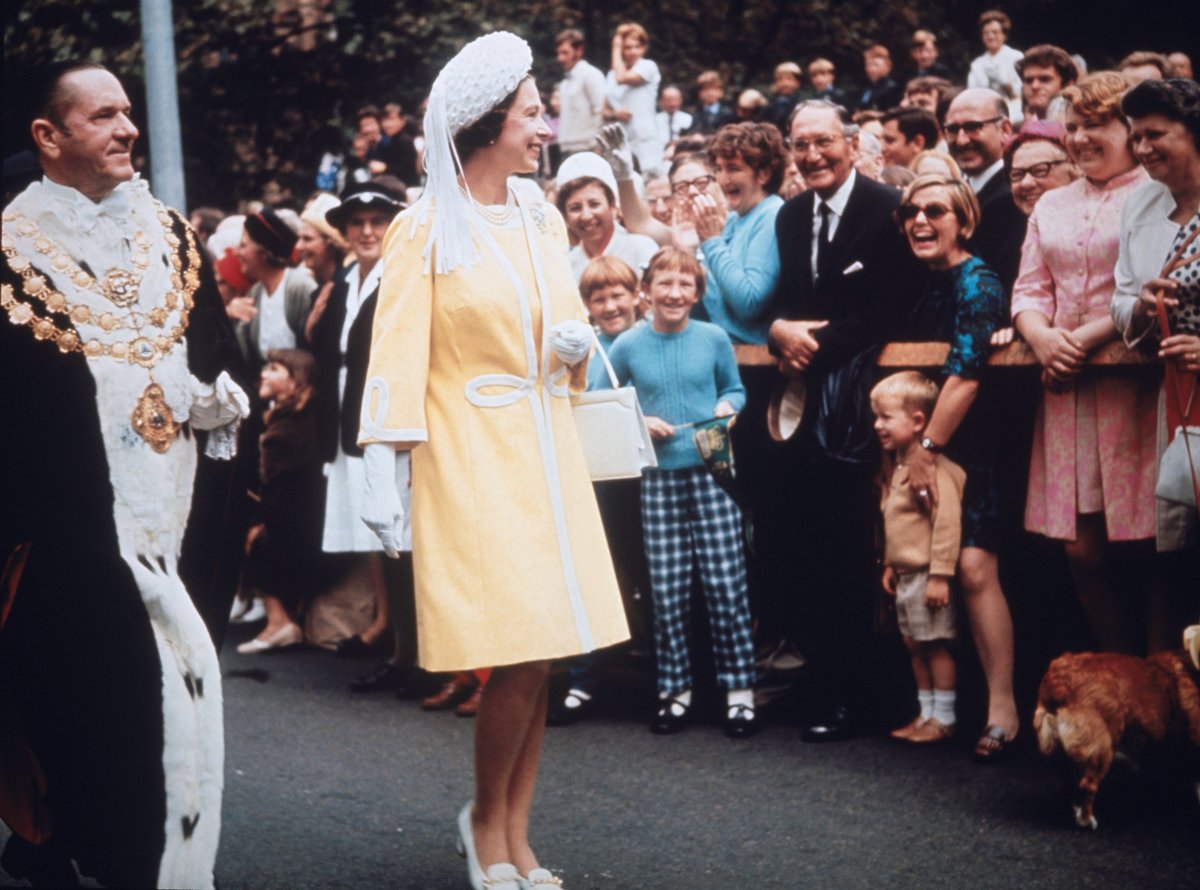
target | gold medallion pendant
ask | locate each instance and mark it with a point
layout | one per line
(121, 287)
(153, 421)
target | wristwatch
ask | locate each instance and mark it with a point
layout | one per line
(929, 445)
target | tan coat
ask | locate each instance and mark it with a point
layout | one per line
(510, 556)
(914, 540)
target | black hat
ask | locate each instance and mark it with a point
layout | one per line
(272, 233)
(360, 196)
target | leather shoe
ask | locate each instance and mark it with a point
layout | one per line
(470, 707)
(740, 722)
(836, 727)
(450, 695)
(671, 717)
(386, 676)
(572, 708)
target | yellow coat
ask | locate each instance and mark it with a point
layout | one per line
(511, 560)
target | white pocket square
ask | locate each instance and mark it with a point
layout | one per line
(856, 266)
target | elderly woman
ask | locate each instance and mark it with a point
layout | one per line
(322, 250)
(1036, 161)
(1091, 476)
(964, 305)
(587, 199)
(478, 338)
(1156, 224)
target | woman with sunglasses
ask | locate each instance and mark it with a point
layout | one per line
(1091, 473)
(964, 305)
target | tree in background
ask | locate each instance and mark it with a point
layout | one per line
(267, 86)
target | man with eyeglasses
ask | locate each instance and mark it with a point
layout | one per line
(976, 129)
(847, 280)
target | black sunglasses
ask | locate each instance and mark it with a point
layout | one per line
(933, 211)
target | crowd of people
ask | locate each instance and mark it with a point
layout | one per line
(1028, 201)
(952, 206)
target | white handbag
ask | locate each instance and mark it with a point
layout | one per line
(612, 429)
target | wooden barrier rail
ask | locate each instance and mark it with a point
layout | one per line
(932, 355)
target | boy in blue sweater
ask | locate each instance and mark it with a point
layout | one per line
(684, 371)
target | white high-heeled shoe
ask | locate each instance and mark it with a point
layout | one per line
(538, 877)
(500, 876)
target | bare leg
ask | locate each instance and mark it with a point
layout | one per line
(920, 666)
(1093, 585)
(379, 626)
(991, 627)
(277, 616)
(508, 734)
(941, 664)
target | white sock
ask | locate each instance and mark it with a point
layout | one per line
(943, 706)
(575, 698)
(735, 697)
(925, 699)
(684, 698)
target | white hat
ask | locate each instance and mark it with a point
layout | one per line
(588, 164)
(474, 82)
(314, 215)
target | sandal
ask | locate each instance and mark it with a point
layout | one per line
(994, 745)
(904, 733)
(931, 731)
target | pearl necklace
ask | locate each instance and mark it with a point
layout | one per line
(500, 217)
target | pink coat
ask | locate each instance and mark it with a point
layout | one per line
(1094, 445)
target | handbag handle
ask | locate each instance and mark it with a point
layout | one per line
(1174, 379)
(612, 375)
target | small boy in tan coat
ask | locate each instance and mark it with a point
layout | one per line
(921, 550)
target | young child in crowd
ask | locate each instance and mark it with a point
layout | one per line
(283, 546)
(609, 288)
(920, 550)
(685, 371)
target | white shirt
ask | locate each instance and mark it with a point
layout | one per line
(998, 72)
(672, 125)
(581, 100)
(273, 330)
(979, 180)
(636, 250)
(836, 204)
(640, 99)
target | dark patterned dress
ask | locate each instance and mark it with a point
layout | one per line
(964, 306)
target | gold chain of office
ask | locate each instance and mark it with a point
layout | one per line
(119, 286)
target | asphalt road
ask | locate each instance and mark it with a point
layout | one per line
(328, 789)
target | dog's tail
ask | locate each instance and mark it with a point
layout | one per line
(1045, 724)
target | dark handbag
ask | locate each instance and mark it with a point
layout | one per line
(838, 419)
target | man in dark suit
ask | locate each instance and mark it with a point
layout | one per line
(847, 282)
(976, 129)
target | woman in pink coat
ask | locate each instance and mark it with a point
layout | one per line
(1092, 472)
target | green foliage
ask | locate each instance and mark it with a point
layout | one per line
(256, 108)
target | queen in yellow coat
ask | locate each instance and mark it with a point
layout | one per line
(510, 557)
(478, 339)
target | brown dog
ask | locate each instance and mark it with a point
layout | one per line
(1090, 705)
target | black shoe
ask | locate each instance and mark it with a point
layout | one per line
(836, 727)
(571, 709)
(353, 647)
(386, 676)
(672, 716)
(740, 722)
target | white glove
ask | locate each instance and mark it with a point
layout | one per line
(571, 341)
(612, 145)
(219, 403)
(383, 511)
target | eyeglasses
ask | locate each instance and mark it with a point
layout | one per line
(1037, 171)
(822, 144)
(681, 188)
(972, 128)
(933, 211)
